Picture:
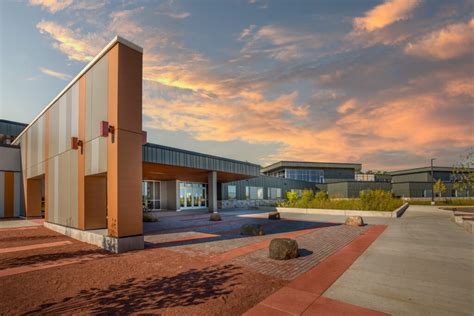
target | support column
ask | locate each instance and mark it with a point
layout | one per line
(124, 145)
(212, 191)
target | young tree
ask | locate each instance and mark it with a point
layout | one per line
(439, 187)
(463, 174)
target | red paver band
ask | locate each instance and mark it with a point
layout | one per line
(36, 246)
(302, 296)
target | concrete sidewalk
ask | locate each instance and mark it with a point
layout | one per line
(423, 264)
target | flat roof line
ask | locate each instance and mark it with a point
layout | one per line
(199, 154)
(281, 164)
(13, 122)
(422, 169)
(115, 40)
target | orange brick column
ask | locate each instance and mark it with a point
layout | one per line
(124, 149)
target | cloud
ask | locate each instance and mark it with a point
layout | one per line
(385, 14)
(461, 87)
(122, 22)
(278, 43)
(52, 6)
(178, 15)
(70, 42)
(169, 9)
(347, 106)
(368, 104)
(449, 42)
(55, 74)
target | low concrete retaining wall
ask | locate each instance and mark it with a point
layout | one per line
(112, 244)
(397, 213)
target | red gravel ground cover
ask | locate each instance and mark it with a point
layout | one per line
(151, 281)
(192, 269)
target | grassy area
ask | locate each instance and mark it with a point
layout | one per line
(452, 202)
(376, 200)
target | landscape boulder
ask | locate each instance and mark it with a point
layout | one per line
(274, 215)
(252, 230)
(355, 221)
(283, 249)
(215, 217)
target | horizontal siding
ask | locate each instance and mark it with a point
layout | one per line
(176, 157)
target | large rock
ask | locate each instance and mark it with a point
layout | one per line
(355, 221)
(215, 217)
(252, 230)
(273, 215)
(283, 249)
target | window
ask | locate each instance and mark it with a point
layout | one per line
(231, 192)
(274, 193)
(254, 193)
(313, 175)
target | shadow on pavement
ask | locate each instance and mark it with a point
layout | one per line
(188, 288)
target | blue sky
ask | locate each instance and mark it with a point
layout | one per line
(385, 83)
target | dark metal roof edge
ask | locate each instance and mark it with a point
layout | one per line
(13, 122)
(421, 169)
(200, 154)
(280, 164)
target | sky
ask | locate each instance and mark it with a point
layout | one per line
(389, 84)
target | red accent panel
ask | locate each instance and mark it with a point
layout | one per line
(74, 143)
(104, 128)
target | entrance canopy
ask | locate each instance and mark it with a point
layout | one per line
(167, 163)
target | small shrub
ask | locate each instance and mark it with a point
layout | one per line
(321, 196)
(305, 200)
(292, 197)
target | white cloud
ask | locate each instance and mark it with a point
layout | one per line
(55, 74)
(452, 41)
(385, 14)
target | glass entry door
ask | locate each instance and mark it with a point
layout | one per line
(192, 195)
(151, 195)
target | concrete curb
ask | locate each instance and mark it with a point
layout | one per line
(397, 213)
(112, 244)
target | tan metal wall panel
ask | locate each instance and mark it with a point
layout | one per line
(73, 193)
(75, 110)
(62, 104)
(99, 95)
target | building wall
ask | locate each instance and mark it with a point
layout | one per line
(105, 169)
(352, 189)
(10, 182)
(338, 174)
(265, 182)
(416, 189)
(420, 177)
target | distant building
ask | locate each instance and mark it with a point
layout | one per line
(11, 202)
(318, 172)
(417, 182)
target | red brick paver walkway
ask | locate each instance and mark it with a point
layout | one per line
(36, 246)
(303, 295)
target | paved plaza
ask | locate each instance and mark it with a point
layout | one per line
(420, 264)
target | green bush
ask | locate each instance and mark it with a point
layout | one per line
(321, 196)
(305, 200)
(376, 200)
(292, 197)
